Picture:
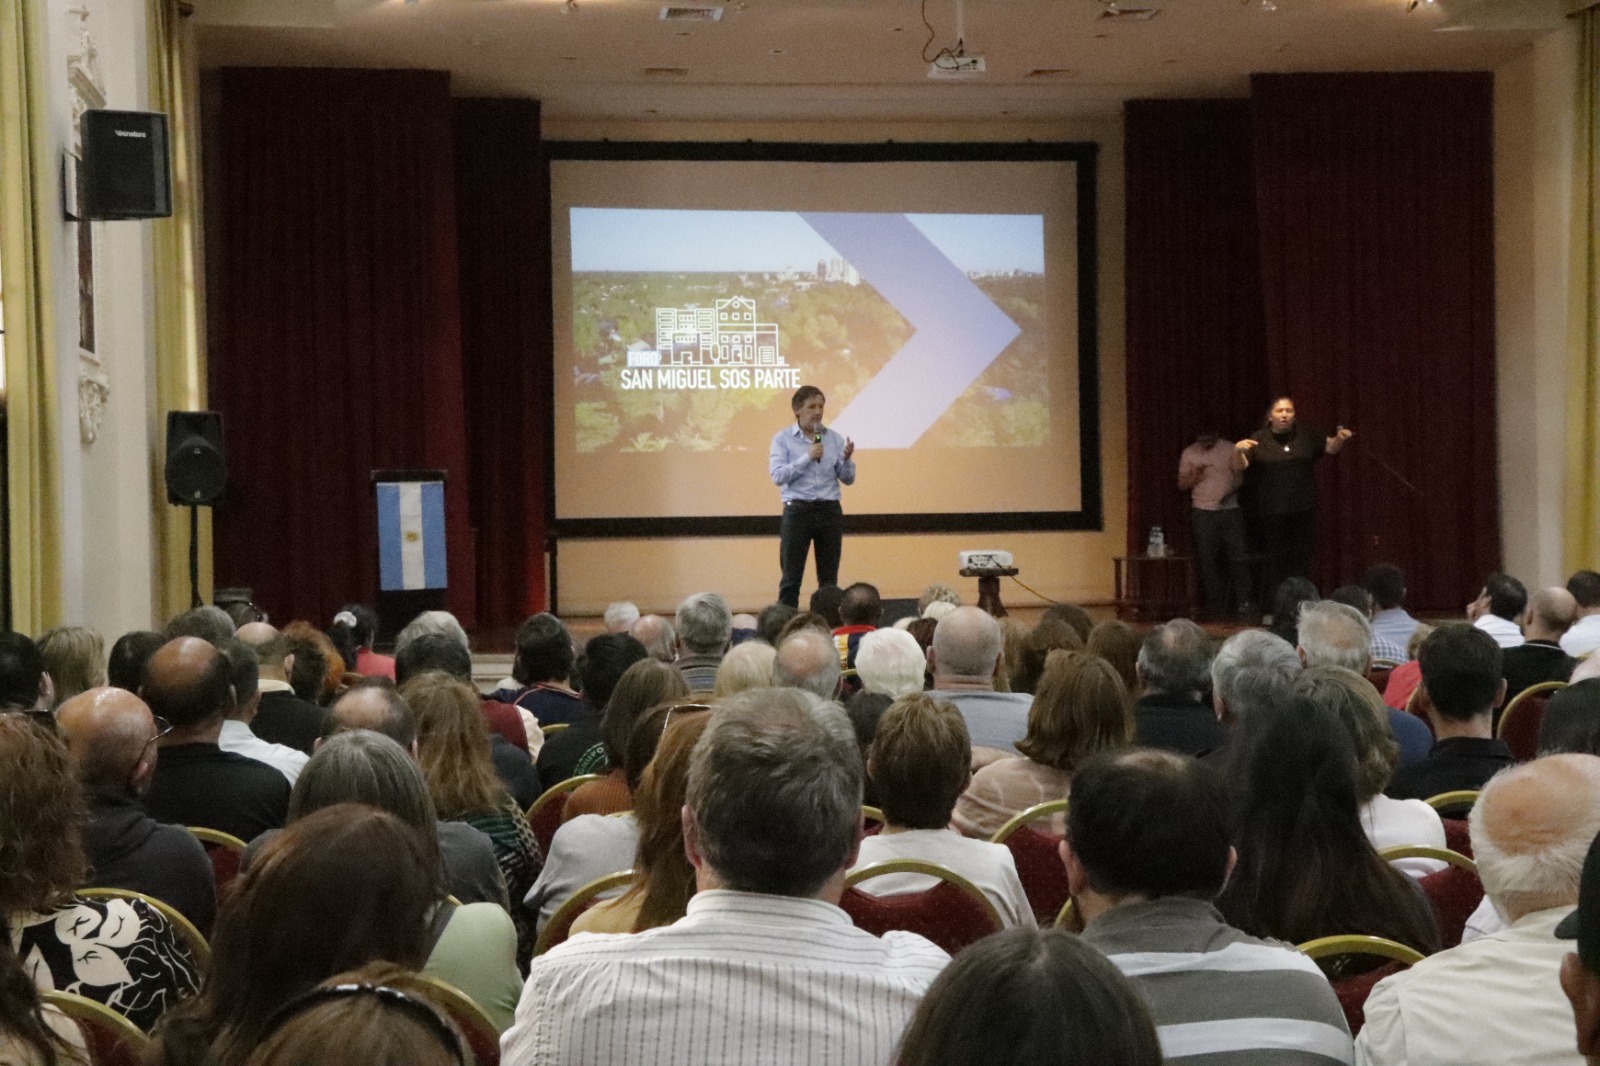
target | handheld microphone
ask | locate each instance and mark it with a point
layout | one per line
(817, 439)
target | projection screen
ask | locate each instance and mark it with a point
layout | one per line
(941, 296)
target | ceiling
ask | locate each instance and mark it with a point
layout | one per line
(794, 60)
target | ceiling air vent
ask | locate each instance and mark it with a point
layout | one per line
(691, 14)
(666, 72)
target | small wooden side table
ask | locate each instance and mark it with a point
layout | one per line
(1154, 587)
(989, 587)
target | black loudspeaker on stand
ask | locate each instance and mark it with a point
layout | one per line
(197, 475)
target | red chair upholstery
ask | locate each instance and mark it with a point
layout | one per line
(1455, 893)
(1043, 875)
(1353, 992)
(1456, 836)
(1524, 715)
(544, 815)
(1363, 962)
(952, 914)
(110, 1039)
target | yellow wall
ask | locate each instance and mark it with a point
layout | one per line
(656, 574)
(1534, 136)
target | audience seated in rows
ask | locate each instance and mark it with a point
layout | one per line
(453, 752)
(1580, 970)
(1498, 609)
(190, 684)
(1174, 668)
(964, 658)
(605, 659)
(282, 716)
(646, 684)
(1286, 604)
(542, 667)
(891, 663)
(1461, 686)
(657, 636)
(123, 953)
(620, 616)
(1496, 1000)
(921, 761)
(663, 881)
(1551, 613)
(808, 660)
(342, 887)
(507, 735)
(771, 825)
(352, 632)
(1251, 671)
(1034, 648)
(378, 1015)
(1306, 869)
(1118, 643)
(1381, 649)
(1147, 854)
(1081, 708)
(471, 870)
(238, 734)
(1390, 620)
(74, 657)
(860, 612)
(24, 683)
(112, 737)
(1584, 636)
(1333, 634)
(1028, 996)
(1388, 822)
(747, 665)
(129, 654)
(705, 630)
(472, 943)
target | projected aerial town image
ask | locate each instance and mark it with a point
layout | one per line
(691, 329)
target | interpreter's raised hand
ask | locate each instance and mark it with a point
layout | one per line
(1247, 445)
(1344, 434)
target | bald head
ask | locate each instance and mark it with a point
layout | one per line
(189, 683)
(966, 646)
(378, 708)
(1531, 829)
(810, 661)
(1551, 613)
(108, 731)
(256, 634)
(657, 636)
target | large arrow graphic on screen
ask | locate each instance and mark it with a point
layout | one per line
(958, 330)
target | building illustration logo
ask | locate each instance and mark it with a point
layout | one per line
(723, 335)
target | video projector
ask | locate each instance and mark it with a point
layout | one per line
(986, 560)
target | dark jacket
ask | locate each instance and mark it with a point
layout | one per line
(129, 849)
(1177, 723)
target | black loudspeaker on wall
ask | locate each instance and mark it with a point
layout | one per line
(197, 465)
(124, 173)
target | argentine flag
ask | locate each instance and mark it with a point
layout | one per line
(411, 535)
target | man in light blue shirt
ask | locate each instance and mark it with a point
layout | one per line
(808, 463)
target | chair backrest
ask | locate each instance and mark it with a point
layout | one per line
(1457, 837)
(1520, 722)
(553, 728)
(544, 814)
(559, 926)
(1454, 893)
(1354, 990)
(225, 851)
(1036, 852)
(952, 914)
(1456, 803)
(872, 820)
(1068, 918)
(1378, 673)
(192, 938)
(483, 1039)
(112, 1040)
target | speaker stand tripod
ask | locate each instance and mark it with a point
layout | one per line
(194, 555)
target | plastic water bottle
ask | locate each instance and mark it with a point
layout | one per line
(1158, 543)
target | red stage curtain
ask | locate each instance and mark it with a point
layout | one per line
(1375, 196)
(503, 227)
(1194, 340)
(334, 324)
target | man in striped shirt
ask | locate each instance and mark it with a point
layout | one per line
(1146, 852)
(765, 967)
